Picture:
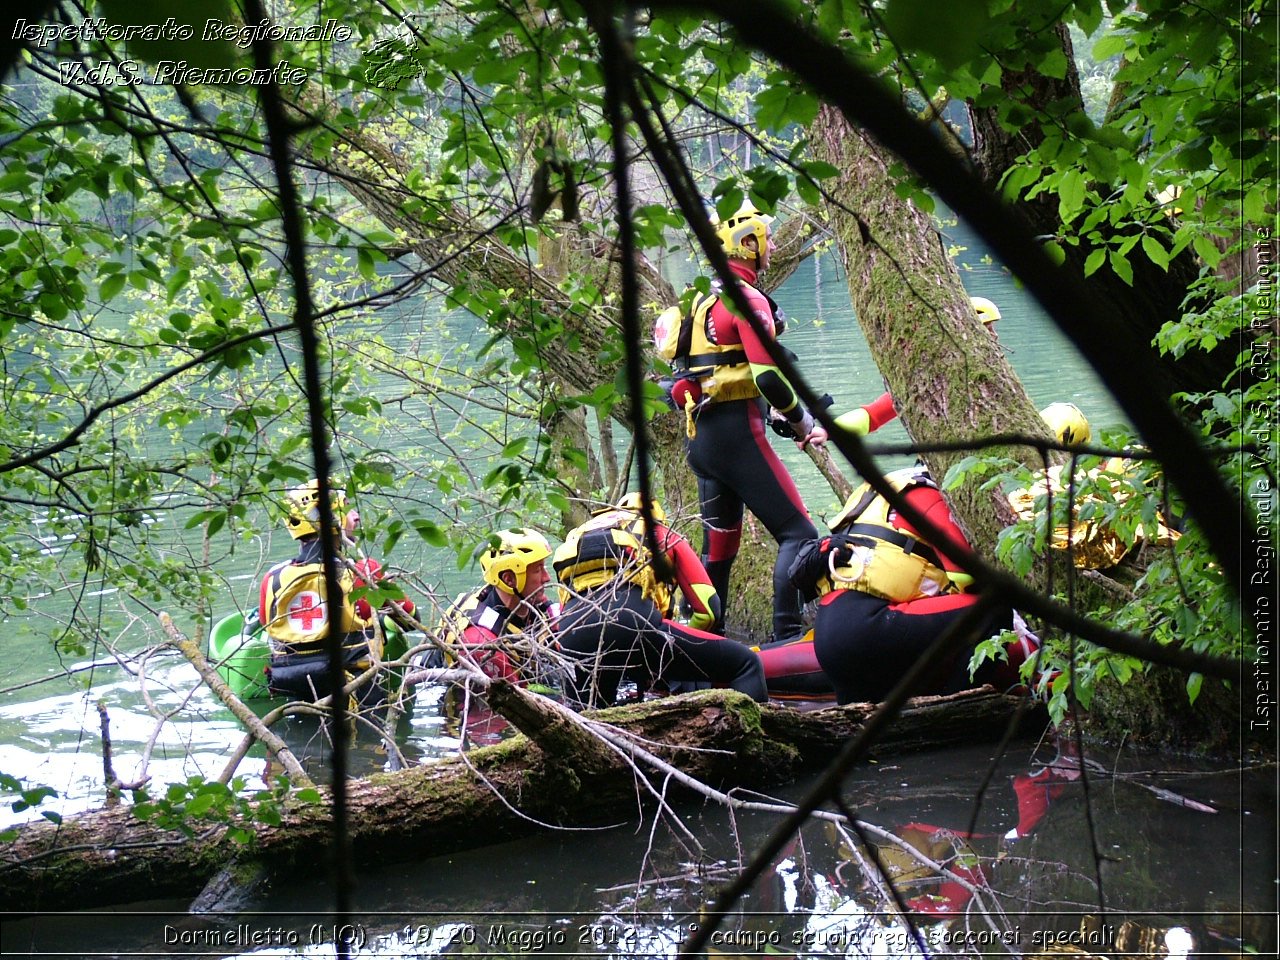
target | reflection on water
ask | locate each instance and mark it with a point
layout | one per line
(1011, 875)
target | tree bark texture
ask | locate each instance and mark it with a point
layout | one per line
(948, 376)
(718, 737)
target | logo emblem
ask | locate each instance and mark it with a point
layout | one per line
(306, 610)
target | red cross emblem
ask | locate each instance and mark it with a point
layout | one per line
(307, 609)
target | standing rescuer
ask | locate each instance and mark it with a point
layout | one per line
(294, 609)
(723, 371)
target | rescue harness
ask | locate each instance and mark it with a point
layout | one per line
(608, 548)
(884, 561)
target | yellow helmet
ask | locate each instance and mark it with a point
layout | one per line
(986, 310)
(303, 506)
(633, 502)
(517, 550)
(734, 230)
(1067, 423)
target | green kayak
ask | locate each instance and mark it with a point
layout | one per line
(241, 657)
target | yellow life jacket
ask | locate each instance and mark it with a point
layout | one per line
(608, 547)
(296, 615)
(684, 340)
(887, 562)
(483, 609)
(480, 608)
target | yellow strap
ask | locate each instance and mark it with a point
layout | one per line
(690, 425)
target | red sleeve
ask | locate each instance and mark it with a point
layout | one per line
(929, 501)
(880, 411)
(731, 329)
(370, 571)
(688, 566)
(493, 663)
(262, 599)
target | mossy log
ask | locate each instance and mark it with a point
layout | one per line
(721, 738)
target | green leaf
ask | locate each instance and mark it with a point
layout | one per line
(730, 198)
(364, 260)
(949, 31)
(1155, 251)
(1205, 249)
(1194, 682)
(430, 532)
(1120, 265)
(820, 170)
(1109, 46)
(177, 282)
(1053, 64)
(193, 39)
(778, 107)
(1104, 162)
(269, 814)
(1071, 189)
(111, 286)
(1254, 207)
(1089, 16)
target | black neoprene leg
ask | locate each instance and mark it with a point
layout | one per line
(693, 655)
(608, 631)
(866, 645)
(736, 466)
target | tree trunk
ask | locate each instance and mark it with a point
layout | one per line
(948, 376)
(1155, 297)
(720, 738)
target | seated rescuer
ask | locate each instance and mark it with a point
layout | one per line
(616, 612)
(725, 370)
(512, 602)
(870, 417)
(293, 610)
(886, 594)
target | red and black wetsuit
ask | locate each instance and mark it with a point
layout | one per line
(619, 633)
(866, 643)
(736, 467)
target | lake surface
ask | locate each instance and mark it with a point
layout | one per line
(635, 891)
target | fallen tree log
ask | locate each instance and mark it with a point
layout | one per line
(485, 796)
